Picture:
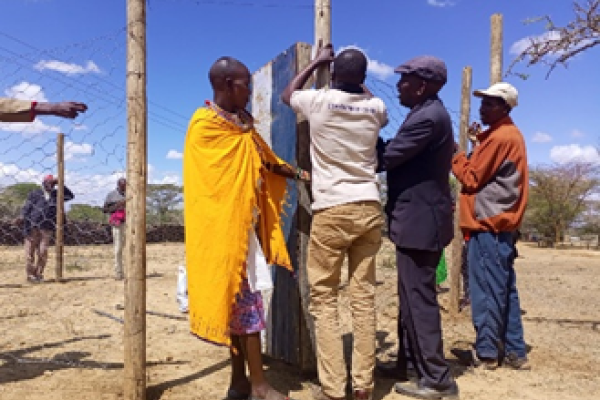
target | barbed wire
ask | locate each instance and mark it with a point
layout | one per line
(91, 71)
(105, 93)
(396, 114)
(302, 5)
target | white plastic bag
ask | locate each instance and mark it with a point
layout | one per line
(259, 272)
(182, 292)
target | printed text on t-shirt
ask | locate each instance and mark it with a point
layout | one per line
(346, 107)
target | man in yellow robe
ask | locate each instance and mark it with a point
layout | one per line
(234, 189)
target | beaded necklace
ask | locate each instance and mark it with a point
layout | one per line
(235, 119)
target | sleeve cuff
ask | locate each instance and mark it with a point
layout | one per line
(294, 103)
(32, 112)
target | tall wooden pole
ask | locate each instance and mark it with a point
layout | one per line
(323, 36)
(60, 205)
(135, 237)
(308, 361)
(457, 243)
(496, 49)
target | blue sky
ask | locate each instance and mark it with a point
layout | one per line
(57, 50)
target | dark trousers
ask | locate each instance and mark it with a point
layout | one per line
(420, 316)
(495, 305)
(404, 362)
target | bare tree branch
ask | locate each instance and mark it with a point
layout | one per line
(560, 44)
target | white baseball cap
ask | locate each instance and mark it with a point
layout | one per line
(504, 90)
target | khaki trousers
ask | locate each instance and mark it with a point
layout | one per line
(37, 243)
(118, 233)
(355, 230)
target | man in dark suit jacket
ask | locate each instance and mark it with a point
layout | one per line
(419, 210)
(39, 222)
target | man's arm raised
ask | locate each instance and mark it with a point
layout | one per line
(324, 56)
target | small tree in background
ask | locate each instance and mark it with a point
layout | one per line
(590, 219)
(13, 197)
(163, 201)
(559, 194)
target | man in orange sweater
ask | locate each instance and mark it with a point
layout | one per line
(493, 199)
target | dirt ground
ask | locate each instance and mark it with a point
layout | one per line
(54, 346)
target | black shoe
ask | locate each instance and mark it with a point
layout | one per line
(419, 391)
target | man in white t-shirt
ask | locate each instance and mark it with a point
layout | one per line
(347, 218)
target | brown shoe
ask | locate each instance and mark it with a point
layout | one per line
(515, 362)
(363, 394)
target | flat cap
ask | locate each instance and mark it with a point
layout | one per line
(427, 67)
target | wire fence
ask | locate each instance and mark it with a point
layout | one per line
(389, 94)
(92, 72)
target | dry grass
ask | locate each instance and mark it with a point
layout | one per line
(53, 346)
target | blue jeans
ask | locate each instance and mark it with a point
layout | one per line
(494, 298)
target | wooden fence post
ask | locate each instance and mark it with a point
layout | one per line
(135, 237)
(323, 36)
(60, 206)
(308, 362)
(496, 49)
(457, 243)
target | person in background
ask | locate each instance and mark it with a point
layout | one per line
(114, 206)
(38, 218)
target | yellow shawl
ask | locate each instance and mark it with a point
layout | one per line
(222, 174)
